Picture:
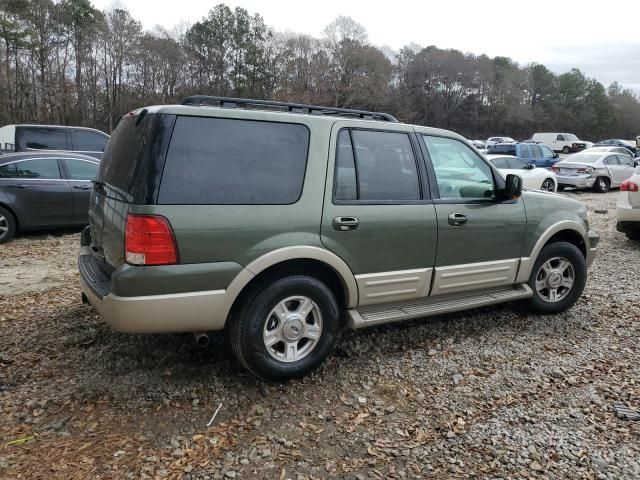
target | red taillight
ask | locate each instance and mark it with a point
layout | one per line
(554, 168)
(629, 186)
(148, 240)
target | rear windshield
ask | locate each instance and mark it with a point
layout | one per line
(582, 158)
(509, 149)
(132, 162)
(219, 161)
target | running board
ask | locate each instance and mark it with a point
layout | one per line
(438, 305)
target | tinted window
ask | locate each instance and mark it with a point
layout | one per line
(81, 170)
(8, 171)
(41, 138)
(560, 137)
(461, 173)
(345, 183)
(612, 160)
(224, 161)
(524, 151)
(500, 163)
(86, 141)
(517, 164)
(503, 149)
(42, 168)
(535, 151)
(385, 166)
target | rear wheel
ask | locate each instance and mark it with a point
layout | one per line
(285, 328)
(548, 185)
(602, 185)
(558, 278)
(566, 150)
(7, 225)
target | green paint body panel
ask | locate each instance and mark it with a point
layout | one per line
(215, 242)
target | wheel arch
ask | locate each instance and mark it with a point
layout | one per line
(564, 231)
(12, 212)
(314, 261)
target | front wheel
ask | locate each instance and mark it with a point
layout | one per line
(558, 278)
(601, 185)
(285, 328)
(7, 225)
(566, 150)
(548, 185)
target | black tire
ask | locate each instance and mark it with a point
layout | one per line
(602, 185)
(635, 236)
(574, 256)
(8, 222)
(561, 188)
(248, 323)
(548, 185)
(566, 150)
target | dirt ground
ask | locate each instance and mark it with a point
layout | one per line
(492, 393)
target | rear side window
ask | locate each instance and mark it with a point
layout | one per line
(517, 164)
(524, 151)
(217, 161)
(42, 169)
(381, 167)
(8, 171)
(87, 141)
(503, 149)
(535, 151)
(39, 138)
(500, 163)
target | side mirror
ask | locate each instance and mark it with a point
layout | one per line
(531, 166)
(512, 186)
(555, 155)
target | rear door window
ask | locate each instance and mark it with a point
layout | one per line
(44, 168)
(40, 138)
(535, 151)
(218, 161)
(500, 163)
(524, 151)
(87, 141)
(81, 170)
(517, 164)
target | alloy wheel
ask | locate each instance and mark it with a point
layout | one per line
(293, 329)
(555, 279)
(4, 226)
(548, 185)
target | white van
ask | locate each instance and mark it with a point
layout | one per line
(561, 142)
(24, 138)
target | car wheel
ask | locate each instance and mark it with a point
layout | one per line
(558, 278)
(601, 185)
(7, 225)
(285, 328)
(548, 185)
(566, 150)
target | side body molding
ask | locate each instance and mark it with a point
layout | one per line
(526, 263)
(281, 255)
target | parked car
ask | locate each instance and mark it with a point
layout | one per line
(629, 146)
(561, 142)
(532, 177)
(44, 190)
(538, 155)
(494, 140)
(26, 138)
(284, 227)
(479, 144)
(599, 170)
(610, 149)
(628, 207)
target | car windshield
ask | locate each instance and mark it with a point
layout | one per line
(570, 137)
(582, 158)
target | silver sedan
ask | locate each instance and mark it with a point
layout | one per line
(598, 170)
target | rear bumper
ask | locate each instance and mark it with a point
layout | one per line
(578, 181)
(179, 312)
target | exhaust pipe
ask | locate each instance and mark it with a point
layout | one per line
(202, 339)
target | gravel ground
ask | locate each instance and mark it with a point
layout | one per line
(492, 393)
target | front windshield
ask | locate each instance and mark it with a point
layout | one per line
(578, 158)
(570, 137)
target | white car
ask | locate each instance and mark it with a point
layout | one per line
(608, 148)
(532, 177)
(494, 140)
(598, 170)
(628, 208)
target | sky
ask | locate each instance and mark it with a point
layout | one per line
(559, 34)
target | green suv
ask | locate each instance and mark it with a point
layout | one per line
(284, 223)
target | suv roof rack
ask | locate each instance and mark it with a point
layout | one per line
(211, 101)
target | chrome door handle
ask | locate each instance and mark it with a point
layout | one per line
(457, 219)
(345, 224)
